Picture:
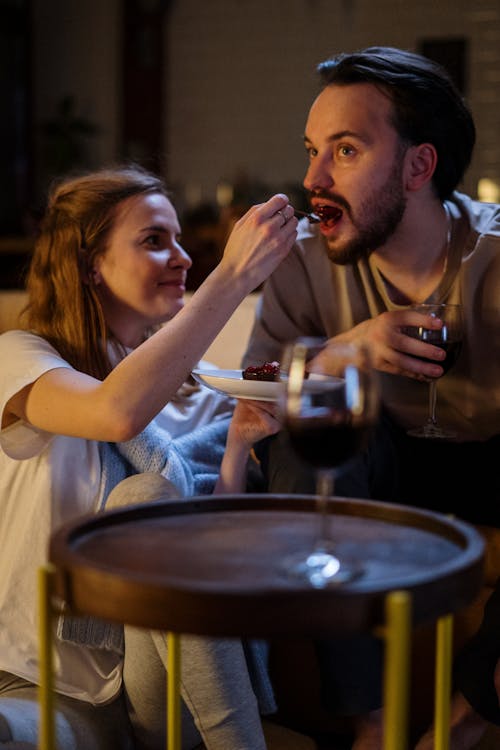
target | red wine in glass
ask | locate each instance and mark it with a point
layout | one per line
(327, 442)
(328, 407)
(452, 348)
(448, 338)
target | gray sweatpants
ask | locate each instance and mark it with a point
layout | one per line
(218, 706)
(79, 725)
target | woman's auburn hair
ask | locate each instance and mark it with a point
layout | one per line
(63, 305)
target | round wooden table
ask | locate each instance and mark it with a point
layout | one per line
(217, 566)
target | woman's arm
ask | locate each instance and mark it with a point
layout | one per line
(68, 402)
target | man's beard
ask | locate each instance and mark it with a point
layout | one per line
(381, 212)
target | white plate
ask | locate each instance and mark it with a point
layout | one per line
(231, 383)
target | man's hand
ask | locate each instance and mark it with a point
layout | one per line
(395, 352)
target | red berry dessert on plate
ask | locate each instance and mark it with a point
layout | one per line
(267, 371)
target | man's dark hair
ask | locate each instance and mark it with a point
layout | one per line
(428, 107)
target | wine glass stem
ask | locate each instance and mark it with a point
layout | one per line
(432, 403)
(325, 482)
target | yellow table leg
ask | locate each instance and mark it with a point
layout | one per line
(397, 670)
(173, 691)
(46, 737)
(444, 647)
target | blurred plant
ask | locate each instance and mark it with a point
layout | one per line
(65, 137)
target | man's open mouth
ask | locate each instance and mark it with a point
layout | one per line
(329, 215)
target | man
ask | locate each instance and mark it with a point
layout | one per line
(389, 138)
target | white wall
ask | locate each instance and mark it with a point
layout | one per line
(241, 77)
(76, 50)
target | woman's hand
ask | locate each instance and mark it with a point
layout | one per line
(260, 240)
(395, 352)
(252, 421)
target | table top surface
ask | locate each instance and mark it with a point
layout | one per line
(217, 565)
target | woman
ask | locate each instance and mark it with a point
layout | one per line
(94, 367)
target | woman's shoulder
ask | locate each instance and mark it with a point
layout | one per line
(12, 341)
(17, 334)
(28, 340)
(24, 350)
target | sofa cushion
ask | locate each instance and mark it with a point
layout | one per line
(226, 350)
(12, 302)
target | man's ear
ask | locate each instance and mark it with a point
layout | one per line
(420, 165)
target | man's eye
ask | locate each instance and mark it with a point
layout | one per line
(153, 240)
(311, 152)
(345, 150)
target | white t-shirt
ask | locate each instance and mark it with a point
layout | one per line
(47, 480)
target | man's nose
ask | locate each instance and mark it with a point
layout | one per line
(319, 175)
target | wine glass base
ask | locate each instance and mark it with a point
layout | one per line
(321, 568)
(432, 432)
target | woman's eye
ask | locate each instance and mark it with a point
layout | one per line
(153, 240)
(311, 152)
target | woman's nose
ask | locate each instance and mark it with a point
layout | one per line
(179, 257)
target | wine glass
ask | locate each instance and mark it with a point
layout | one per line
(328, 405)
(449, 338)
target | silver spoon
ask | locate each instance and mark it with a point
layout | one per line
(313, 218)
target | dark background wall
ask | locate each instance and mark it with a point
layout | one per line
(212, 94)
